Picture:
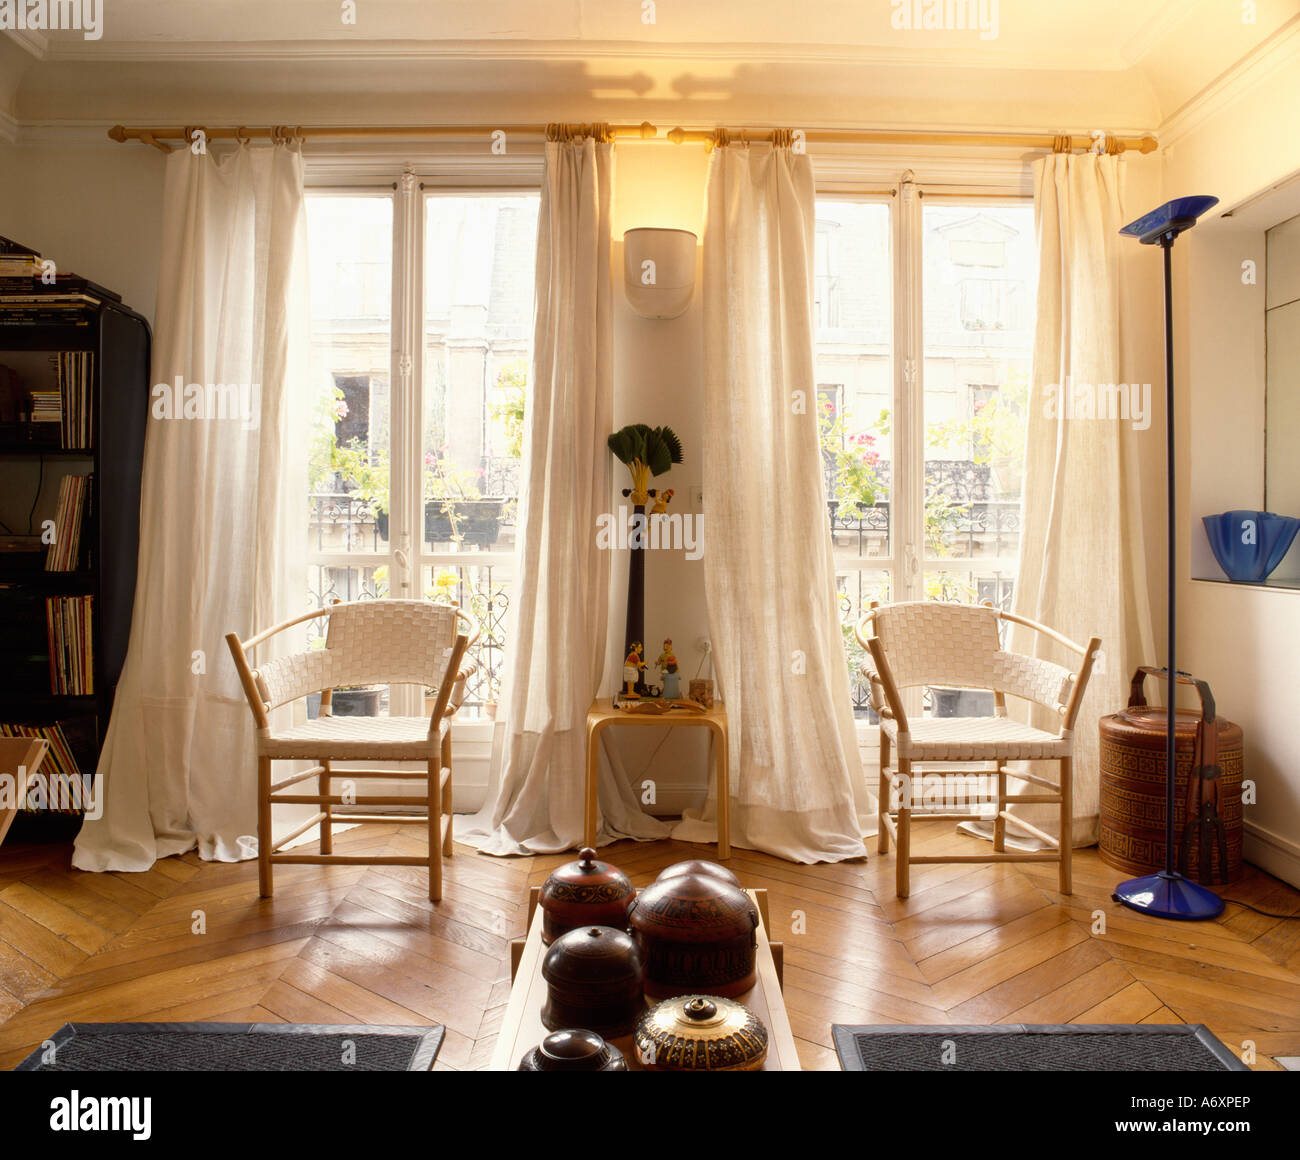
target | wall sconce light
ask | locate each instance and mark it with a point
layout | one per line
(659, 271)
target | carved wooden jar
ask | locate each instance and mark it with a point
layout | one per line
(587, 892)
(697, 935)
(593, 981)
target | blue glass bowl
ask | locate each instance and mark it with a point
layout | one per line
(1249, 545)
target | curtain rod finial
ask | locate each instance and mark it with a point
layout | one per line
(117, 133)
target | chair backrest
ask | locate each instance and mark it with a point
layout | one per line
(399, 642)
(928, 642)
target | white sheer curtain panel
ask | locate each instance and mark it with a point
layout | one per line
(1082, 558)
(222, 509)
(796, 775)
(534, 801)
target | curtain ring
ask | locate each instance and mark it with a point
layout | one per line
(1061, 143)
(241, 136)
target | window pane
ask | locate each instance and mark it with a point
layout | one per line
(854, 367)
(478, 305)
(350, 268)
(857, 589)
(483, 592)
(978, 319)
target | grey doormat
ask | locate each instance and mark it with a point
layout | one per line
(1029, 1047)
(235, 1047)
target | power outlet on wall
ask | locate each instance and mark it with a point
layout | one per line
(697, 497)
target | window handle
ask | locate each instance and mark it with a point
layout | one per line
(404, 565)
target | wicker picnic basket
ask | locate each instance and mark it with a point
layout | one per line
(1207, 788)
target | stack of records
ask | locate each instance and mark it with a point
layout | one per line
(60, 762)
(74, 369)
(68, 622)
(64, 553)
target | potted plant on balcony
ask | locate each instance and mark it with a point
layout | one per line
(854, 464)
(454, 507)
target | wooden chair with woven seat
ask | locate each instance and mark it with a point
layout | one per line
(391, 642)
(930, 643)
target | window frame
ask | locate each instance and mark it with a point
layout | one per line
(406, 557)
(906, 563)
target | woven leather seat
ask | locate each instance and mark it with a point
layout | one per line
(353, 738)
(974, 739)
(928, 643)
(369, 642)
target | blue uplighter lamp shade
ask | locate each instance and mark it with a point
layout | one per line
(1249, 545)
(1172, 217)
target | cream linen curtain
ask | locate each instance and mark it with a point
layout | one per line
(1082, 559)
(796, 775)
(221, 511)
(534, 801)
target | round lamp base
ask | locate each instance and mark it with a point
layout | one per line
(1169, 895)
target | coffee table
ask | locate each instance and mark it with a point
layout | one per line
(523, 1029)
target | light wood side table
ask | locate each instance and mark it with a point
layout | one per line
(603, 714)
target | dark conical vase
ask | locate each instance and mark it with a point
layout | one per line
(636, 591)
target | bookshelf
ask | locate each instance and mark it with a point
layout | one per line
(64, 632)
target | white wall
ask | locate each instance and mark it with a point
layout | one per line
(95, 209)
(1244, 640)
(657, 380)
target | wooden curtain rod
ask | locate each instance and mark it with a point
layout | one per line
(1060, 143)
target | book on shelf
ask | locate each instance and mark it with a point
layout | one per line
(69, 625)
(64, 553)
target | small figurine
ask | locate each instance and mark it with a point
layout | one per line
(667, 665)
(632, 666)
(662, 500)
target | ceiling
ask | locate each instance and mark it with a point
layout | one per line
(1123, 65)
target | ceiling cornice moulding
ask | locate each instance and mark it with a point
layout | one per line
(354, 49)
(1279, 50)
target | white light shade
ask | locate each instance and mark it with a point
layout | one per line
(659, 271)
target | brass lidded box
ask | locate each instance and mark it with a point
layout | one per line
(701, 1033)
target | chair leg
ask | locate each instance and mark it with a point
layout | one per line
(902, 868)
(882, 797)
(999, 823)
(446, 794)
(326, 826)
(1066, 848)
(435, 833)
(264, 883)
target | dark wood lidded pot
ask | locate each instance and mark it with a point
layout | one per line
(587, 892)
(698, 866)
(701, 1033)
(696, 935)
(573, 1050)
(593, 981)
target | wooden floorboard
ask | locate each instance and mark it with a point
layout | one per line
(190, 941)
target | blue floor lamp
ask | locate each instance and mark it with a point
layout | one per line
(1168, 894)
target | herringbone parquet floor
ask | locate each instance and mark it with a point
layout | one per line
(190, 940)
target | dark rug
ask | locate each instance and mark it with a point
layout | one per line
(1027, 1047)
(235, 1047)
